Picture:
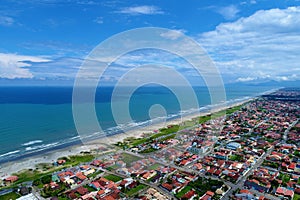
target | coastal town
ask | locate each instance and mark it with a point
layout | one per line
(249, 151)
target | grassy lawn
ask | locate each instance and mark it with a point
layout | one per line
(220, 113)
(30, 175)
(90, 189)
(162, 132)
(165, 131)
(113, 178)
(149, 150)
(138, 141)
(183, 191)
(95, 174)
(133, 191)
(128, 159)
(77, 159)
(188, 124)
(236, 158)
(296, 197)
(168, 137)
(154, 166)
(9, 196)
(132, 142)
(203, 185)
(113, 167)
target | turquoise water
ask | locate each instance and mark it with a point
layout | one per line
(40, 119)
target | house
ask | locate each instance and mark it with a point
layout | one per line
(24, 190)
(167, 186)
(84, 167)
(80, 176)
(120, 163)
(284, 192)
(149, 175)
(292, 167)
(96, 163)
(69, 181)
(133, 184)
(88, 172)
(190, 195)
(82, 191)
(60, 162)
(198, 166)
(208, 195)
(55, 178)
(11, 179)
(53, 185)
(96, 185)
(123, 171)
(233, 146)
(89, 196)
(184, 162)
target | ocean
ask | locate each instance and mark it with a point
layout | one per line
(39, 119)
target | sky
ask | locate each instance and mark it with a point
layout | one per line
(44, 42)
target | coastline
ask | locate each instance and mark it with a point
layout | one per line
(30, 162)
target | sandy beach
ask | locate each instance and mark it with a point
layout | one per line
(8, 168)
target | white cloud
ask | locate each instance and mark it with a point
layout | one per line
(16, 66)
(6, 21)
(173, 34)
(141, 10)
(99, 20)
(245, 79)
(264, 45)
(229, 12)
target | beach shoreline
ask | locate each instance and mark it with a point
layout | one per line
(8, 168)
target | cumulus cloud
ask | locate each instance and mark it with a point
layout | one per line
(263, 45)
(17, 66)
(141, 10)
(173, 34)
(229, 12)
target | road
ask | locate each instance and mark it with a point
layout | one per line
(288, 130)
(240, 183)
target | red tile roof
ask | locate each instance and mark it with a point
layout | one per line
(280, 190)
(82, 191)
(167, 186)
(210, 193)
(80, 176)
(12, 178)
(189, 194)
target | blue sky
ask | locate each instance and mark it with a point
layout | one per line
(45, 41)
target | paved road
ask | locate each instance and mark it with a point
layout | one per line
(240, 183)
(288, 130)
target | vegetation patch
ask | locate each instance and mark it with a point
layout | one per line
(113, 178)
(9, 196)
(154, 166)
(236, 158)
(77, 159)
(133, 191)
(128, 159)
(183, 191)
